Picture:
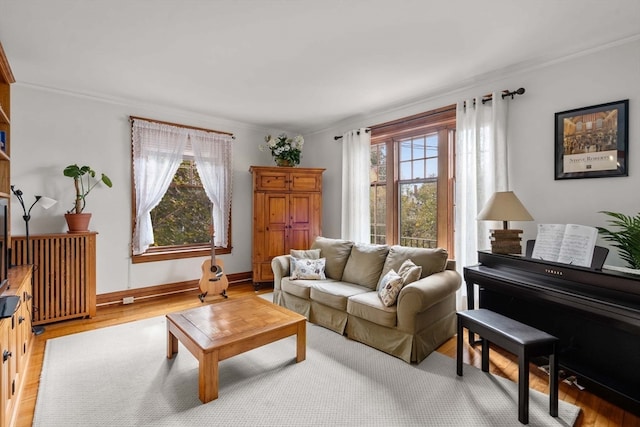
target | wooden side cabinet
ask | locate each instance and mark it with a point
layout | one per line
(15, 344)
(287, 214)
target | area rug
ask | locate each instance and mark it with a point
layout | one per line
(120, 376)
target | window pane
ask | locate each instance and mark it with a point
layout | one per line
(378, 163)
(378, 193)
(432, 168)
(183, 216)
(378, 196)
(419, 214)
(419, 148)
(419, 170)
(405, 150)
(432, 155)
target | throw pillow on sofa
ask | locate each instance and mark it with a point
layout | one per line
(365, 264)
(431, 260)
(390, 287)
(303, 254)
(409, 272)
(336, 251)
(309, 269)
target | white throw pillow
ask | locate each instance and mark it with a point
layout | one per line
(309, 269)
(409, 272)
(390, 287)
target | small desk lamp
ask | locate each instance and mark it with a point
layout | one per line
(46, 203)
(505, 206)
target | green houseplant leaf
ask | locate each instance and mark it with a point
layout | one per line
(626, 238)
(84, 180)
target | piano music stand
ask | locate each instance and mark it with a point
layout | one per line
(599, 255)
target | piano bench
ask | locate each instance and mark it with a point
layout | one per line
(522, 340)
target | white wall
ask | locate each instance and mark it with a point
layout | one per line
(51, 130)
(605, 75)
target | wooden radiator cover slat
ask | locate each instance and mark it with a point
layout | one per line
(64, 277)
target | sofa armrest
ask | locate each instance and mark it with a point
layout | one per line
(418, 296)
(280, 267)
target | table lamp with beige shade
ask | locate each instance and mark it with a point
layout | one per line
(505, 206)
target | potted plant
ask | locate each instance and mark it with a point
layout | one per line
(285, 151)
(84, 180)
(626, 238)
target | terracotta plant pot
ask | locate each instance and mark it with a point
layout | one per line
(78, 223)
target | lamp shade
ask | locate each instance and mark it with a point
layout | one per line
(47, 202)
(504, 206)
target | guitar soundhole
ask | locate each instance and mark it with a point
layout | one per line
(217, 271)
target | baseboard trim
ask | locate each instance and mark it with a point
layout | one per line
(117, 297)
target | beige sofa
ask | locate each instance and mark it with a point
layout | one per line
(347, 301)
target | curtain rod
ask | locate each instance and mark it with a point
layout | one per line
(335, 138)
(485, 99)
(131, 118)
(505, 93)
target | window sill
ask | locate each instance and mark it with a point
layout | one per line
(154, 255)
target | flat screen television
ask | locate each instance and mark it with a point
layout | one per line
(4, 244)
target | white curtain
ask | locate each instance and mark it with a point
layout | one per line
(481, 170)
(212, 153)
(157, 154)
(356, 159)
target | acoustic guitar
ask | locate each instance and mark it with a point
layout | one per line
(213, 279)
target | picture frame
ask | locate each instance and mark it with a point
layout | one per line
(592, 142)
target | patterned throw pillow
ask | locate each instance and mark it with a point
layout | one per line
(390, 287)
(409, 272)
(309, 269)
(302, 253)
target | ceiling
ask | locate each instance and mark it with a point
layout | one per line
(297, 65)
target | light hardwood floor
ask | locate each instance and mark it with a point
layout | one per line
(595, 411)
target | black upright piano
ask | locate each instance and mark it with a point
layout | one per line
(594, 313)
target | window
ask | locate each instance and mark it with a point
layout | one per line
(412, 173)
(183, 216)
(181, 188)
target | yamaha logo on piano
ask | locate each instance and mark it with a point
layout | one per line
(554, 272)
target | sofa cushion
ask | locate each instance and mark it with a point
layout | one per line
(390, 287)
(336, 252)
(369, 307)
(334, 293)
(431, 260)
(299, 288)
(409, 272)
(365, 265)
(310, 269)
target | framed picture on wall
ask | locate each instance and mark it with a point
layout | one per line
(592, 142)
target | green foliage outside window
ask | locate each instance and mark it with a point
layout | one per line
(183, 217)
(418, 215)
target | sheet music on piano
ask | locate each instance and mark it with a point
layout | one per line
(565, 243)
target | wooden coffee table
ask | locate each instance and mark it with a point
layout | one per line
(218, 331)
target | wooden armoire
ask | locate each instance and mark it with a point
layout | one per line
(287, 214)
